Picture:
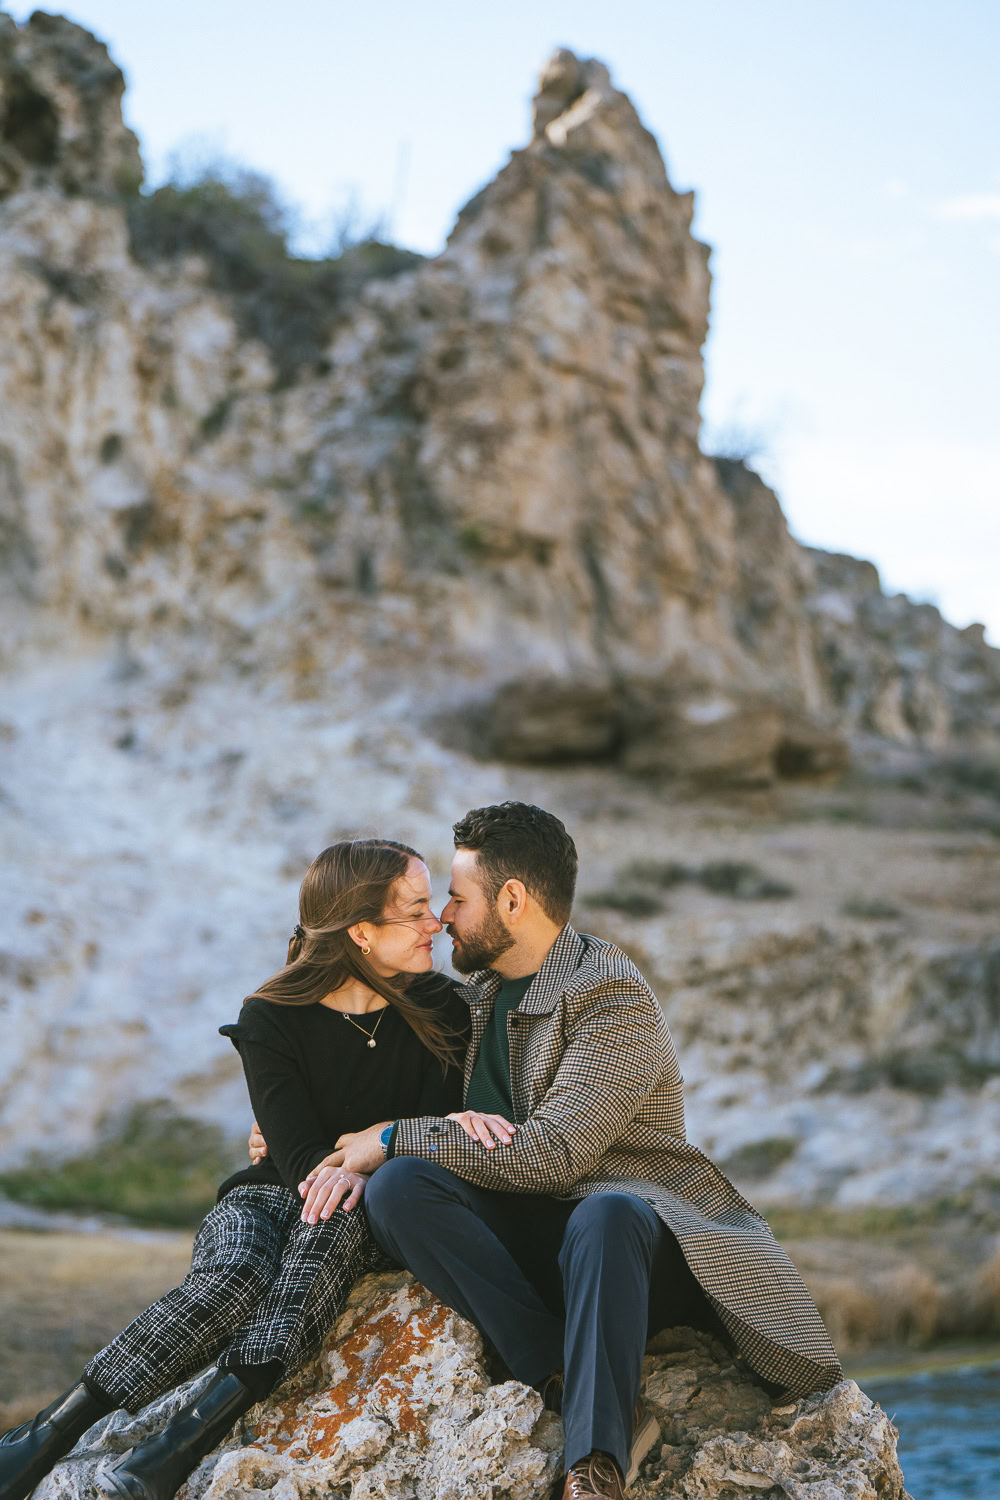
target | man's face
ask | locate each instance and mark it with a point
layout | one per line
(473, 922)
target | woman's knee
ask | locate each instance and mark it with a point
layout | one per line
(345, 1232)
(237, 1245)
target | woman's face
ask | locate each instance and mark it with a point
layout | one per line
(401, 942)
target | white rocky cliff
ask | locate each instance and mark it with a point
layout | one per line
(471, 550)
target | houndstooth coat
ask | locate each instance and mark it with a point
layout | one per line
(599, 1107)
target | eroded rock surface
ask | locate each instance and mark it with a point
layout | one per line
(399, 1406)
(501, 445)
(60, 112)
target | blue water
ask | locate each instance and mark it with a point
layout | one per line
(949, 1431)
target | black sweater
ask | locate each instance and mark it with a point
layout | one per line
(312, 1076)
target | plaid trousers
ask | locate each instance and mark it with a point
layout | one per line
(262, 1287)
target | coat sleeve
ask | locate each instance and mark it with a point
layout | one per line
(617, 1050)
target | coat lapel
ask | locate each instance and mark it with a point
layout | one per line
(565, 957)
(480, 991)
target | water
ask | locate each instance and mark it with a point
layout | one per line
(949, 1431)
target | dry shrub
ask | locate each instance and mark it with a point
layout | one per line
(988, 1286)
(899, 1306)
(910, 1303)
(975, 1305)
(235, 220)
(850, 1313)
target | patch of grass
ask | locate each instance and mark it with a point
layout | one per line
(757, 1159)
(213, 421)
(928, 1073)
(473, 539)
(977, 774)
(871, 909)
(627, 899)
(979, 1203)
(236, 221)
(152, 1166)
(661, 873)
(744, 881)
(724, 877)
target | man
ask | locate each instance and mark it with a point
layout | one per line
(579, 1220)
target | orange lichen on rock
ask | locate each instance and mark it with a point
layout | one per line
(381, 1356)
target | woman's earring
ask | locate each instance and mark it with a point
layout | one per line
(366, 951)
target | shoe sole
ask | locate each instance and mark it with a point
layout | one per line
(109, 1484)
(646, 1434)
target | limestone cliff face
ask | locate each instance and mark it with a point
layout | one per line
(503, 449)
(241, 615)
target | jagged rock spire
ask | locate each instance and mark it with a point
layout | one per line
(60, 111)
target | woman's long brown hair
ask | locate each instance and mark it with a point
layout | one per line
(352, 882)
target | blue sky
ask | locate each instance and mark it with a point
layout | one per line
(846, 161)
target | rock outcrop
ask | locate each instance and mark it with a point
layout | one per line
(60, 113)
(399, 1404)
(501, 447)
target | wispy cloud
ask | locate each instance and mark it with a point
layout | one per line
(969, 207)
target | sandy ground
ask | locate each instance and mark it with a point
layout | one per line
(63, 1295)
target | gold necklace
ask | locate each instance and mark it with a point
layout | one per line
(364, 1029)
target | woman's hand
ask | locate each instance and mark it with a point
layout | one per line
(325, 1188)
(483, 1128)
(256, 1144)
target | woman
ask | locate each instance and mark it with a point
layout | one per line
(348, 1034)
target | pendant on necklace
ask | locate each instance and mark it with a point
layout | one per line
(372, 1042)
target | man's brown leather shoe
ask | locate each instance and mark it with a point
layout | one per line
(597, 1474)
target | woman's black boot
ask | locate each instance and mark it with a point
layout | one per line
(159, 1466)
(28, 1452)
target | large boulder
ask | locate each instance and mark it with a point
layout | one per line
(399, 1405)
(700, 733)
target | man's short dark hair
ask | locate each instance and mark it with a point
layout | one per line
(516, 841)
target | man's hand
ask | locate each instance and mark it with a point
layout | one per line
(256, 1144)
(483, 1128)
(258, 1150)
(325, 1187)
(360, 1150)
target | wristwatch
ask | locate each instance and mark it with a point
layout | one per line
(385, 1136)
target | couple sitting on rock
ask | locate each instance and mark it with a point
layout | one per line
(561, 1209)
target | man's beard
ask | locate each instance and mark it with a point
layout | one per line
(482, 948)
